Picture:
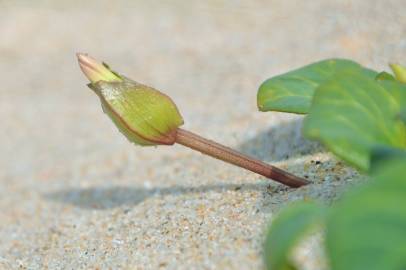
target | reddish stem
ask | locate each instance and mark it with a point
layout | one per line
(229, 155)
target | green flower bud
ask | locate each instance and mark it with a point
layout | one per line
(400, 72)
(143, 114)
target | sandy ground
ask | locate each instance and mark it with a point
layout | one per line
(74, 194)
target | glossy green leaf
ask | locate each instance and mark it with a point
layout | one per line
(381, 156)
(402, 115)
(353, 114)
(287, 230)
(397, 90)
(367, 229)
(293, 91)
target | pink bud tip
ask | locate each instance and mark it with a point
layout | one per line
(94, 70)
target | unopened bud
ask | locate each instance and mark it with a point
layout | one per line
(143, 114)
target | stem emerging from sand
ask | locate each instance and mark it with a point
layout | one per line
(229, 155)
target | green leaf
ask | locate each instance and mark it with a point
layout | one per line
(384, 76)
(353, 114)
(286, 231)
(293, 91)
(402, 115)
(397, 90)
(381, 156)
(367, 229)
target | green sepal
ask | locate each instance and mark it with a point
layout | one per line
(143, 114)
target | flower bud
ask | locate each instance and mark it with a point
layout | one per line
(400, 72)
(143, 114)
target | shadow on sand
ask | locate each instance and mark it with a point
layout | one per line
(280, 142)
(111, 197)
(290, 143)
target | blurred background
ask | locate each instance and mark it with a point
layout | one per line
(75, 194)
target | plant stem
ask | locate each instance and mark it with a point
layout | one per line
(229, 155)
